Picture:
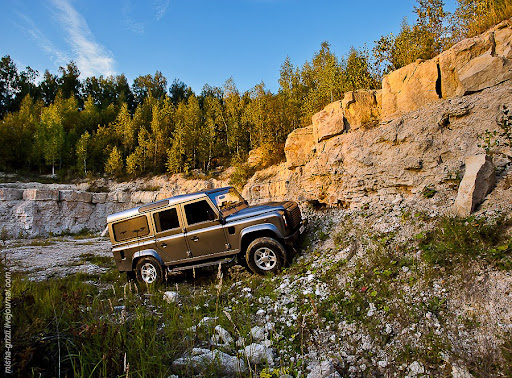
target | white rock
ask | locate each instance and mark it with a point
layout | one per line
(200, 361)
(261, 312)
(171, 296)
(323, 369)
(258, 333)
(224, 335)
(382, 364)
(258, 353)
(460, 372)
(371, 311)
(416, 368)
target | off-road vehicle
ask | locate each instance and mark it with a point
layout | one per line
(205, 228)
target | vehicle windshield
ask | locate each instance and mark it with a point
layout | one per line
(228, 201)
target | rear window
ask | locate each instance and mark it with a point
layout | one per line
(166, 220)
(131, 228)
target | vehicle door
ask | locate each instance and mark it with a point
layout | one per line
(205, 233)
(170, 239)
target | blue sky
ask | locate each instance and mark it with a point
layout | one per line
(198, 42)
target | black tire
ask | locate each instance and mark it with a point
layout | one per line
(265, 256)
(149, 271)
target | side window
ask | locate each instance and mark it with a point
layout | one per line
(131, 228)
(200, 211)
(166, 220)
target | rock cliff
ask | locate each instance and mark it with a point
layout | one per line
(412, 136)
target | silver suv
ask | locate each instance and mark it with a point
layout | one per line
(200, 229)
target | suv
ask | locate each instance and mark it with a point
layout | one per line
(200, 229)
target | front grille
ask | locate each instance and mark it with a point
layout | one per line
(295, 216)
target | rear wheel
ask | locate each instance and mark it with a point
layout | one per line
(149, 270)
(265, 255)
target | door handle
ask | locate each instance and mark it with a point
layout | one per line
(163, 245)
(195, 238)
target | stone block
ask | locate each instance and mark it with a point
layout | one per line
(41, 195)
(328, 122)
(99, 197)
(299, 146)
(478, 181)
(11, 194)
(75, 196)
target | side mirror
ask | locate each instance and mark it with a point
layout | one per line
(222, 220)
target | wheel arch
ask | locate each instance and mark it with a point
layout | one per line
(251, 233)
(147, 252)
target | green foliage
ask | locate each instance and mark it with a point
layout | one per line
(241, 174)
(114, 164)
(475, 16)
(457, 241)
(428, 191)
(423, 40)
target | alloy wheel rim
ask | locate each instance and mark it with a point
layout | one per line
(265, 258)
(148, 273)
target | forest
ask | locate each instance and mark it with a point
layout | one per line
(72, 127)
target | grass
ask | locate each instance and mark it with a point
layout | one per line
(459, 241)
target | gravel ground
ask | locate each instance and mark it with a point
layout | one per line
(55, 257)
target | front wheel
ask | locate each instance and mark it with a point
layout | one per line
(265, 255)
(149, 271)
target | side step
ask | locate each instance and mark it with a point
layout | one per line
(201, 265)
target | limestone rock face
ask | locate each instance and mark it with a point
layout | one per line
(426, 147)
(479, 179)
(328, 122)
(299, 146)
(360, 108)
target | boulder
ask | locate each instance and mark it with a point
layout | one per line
(171, 296)
(478, 181)
(457, 57)
(223, 335)
(322, 369)
(360, 108)
(143, 197)
(299, 146)
(328, 122)
(409, 88)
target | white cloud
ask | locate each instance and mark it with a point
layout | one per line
(160, 7)
(57, 56)
(90, 56)
(129, 23)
